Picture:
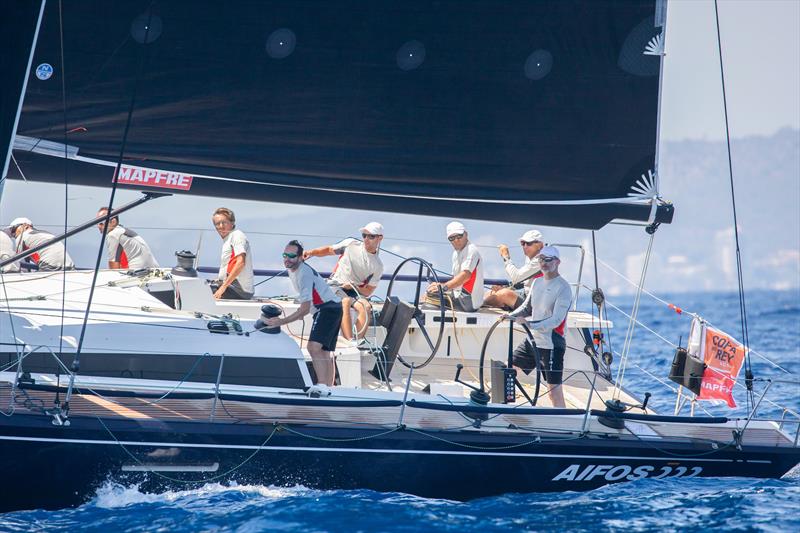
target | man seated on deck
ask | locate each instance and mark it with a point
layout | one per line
(315, 296)
(545, 311)
(235, 279)
(465, 289)
(512, 296)
(126, 249)
(53, 257)
(7, 251)
(356, 274)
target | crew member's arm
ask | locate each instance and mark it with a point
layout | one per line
(322, 251)
(457, 281)
(520, 313)
(238, 266)
(301, 311)
(521, 274)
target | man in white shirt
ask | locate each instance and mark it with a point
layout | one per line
(7, 251)
(235, 278)
(465, 289)
(356, 274)
(520, 278)
(315, 296)
(545, 310)
(126, 249)
(53, 257)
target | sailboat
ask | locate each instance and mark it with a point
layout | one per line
(543, 113)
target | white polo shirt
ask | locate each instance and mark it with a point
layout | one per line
(356, 265)
(7, 251)
(311, 287)
(469, 258)
(234, 245)
(54, 257)
(127, 248)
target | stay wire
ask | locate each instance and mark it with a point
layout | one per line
(742, 305)
(143, 57)
(66, 170)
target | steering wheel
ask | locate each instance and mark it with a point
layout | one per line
(419, 315)
(510, 352)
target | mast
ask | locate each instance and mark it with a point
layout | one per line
(19, 31)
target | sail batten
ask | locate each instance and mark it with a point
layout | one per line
(548, 106)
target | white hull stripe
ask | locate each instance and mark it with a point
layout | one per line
(369, 450)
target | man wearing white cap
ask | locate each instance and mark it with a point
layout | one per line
(356, 274)
(126, 248)
(54, 257)
(520, 278)
(7, 251)
(545, 310)
(466, 287)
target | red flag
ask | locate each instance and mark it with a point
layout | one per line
(723, 356)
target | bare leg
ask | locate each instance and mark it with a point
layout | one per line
(557, 396)
(362, 320)
(322, 362)
(502, 298)
(347, 320)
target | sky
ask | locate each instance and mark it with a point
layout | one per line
(761, 50)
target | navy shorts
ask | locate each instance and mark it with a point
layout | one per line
(325, 327)
(551, 361)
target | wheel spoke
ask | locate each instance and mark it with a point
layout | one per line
(419, 318)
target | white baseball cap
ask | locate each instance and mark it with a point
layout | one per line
(19, 220)
(532, 235)
(455, 228)
(550, 251)
(373, 228)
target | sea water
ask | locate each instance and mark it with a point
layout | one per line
(697, 504)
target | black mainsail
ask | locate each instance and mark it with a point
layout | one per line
(540, 112)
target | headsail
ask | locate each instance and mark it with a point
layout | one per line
(537, 112)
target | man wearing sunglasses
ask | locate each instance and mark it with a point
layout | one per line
(465, 289)
(315, 296)
(545, 311)
(54, 257)
(520, 278)
(356, 274)
(235, 279)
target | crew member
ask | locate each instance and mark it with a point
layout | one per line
(126, 248)
(545, 310)
(53, 257)
(235, 279)
(356, 274)
(520, 278)
(465, 289)
(7, 251)
(315, 296)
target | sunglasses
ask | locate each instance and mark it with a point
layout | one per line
(452, 238)
(366, 236)
(525, 243)
(289, 255)
(546, 259)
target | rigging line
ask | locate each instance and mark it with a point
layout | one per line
(740, 275)
(632, 323)
(66, 170)
(143, 57)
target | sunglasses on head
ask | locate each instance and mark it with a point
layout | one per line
(455, 237)
(366, 236)
(289, 255)
(546, 259)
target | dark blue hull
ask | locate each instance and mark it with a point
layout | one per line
(53, 467)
